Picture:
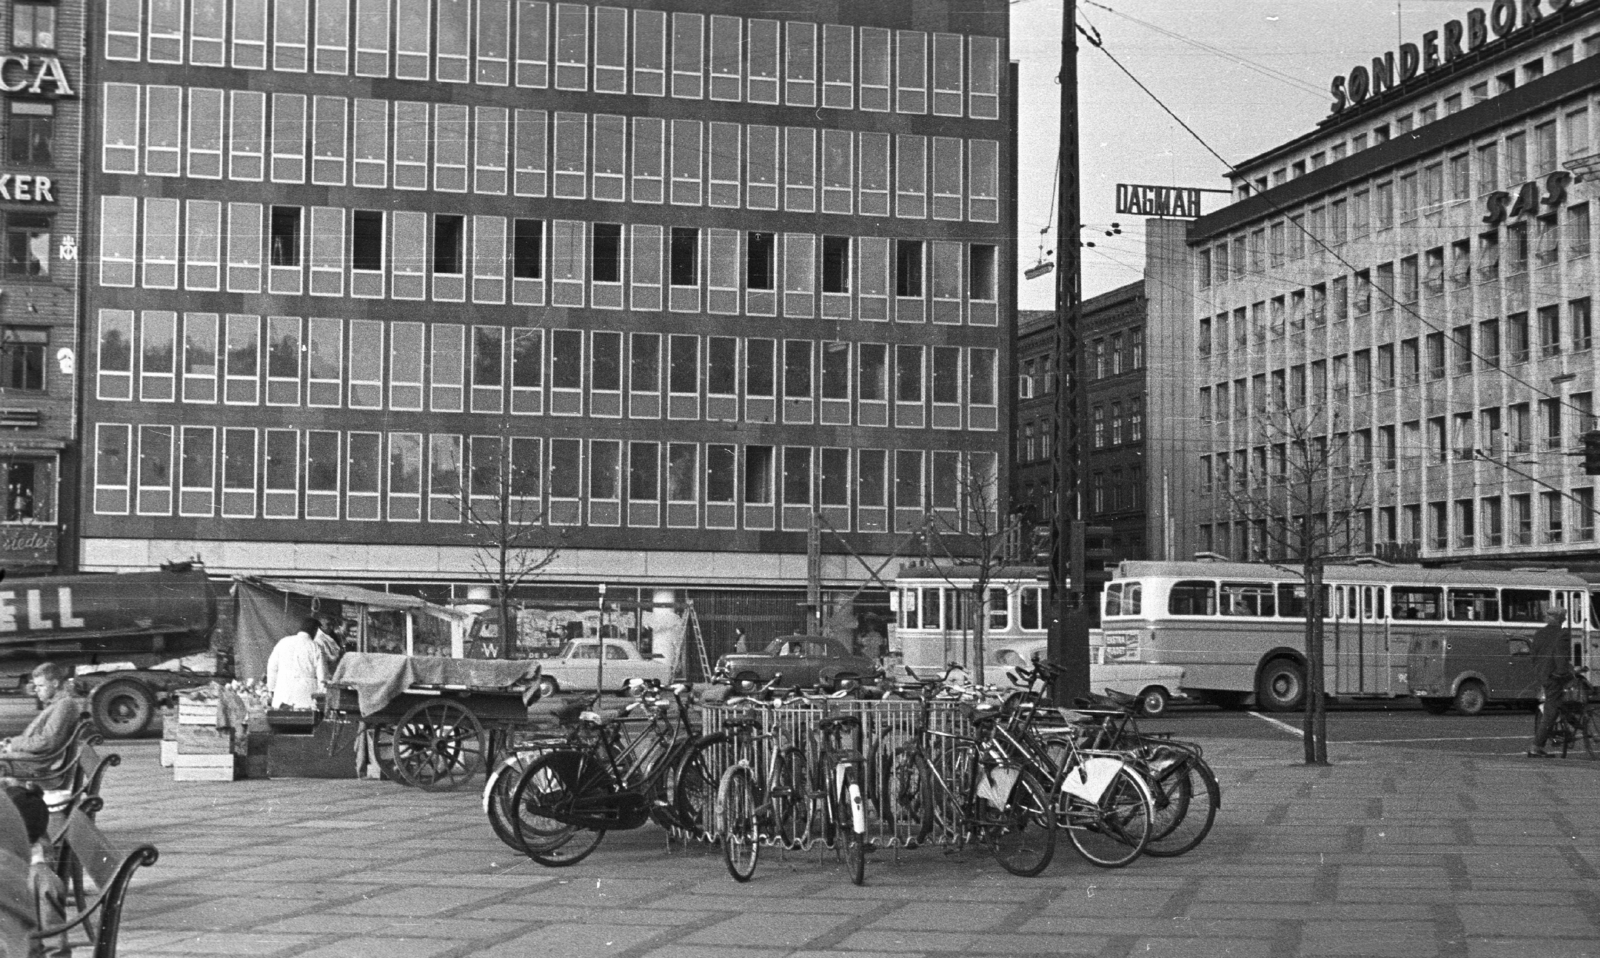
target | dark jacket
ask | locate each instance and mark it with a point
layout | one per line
(1552, 655)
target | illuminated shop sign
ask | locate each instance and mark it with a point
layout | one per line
(29, 74)
(1503, 18)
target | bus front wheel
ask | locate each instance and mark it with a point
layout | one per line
(1281, 687)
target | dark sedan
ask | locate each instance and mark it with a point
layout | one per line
(805, 661)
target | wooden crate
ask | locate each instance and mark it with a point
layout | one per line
(205, 768)
(197, 713)
(204, 740)
(169, 752)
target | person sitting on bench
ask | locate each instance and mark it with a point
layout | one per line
(52, 728)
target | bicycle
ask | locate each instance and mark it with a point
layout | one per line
(1186, 792)
(755, 798)
(568, 798)
(1575, 717)
(838, 779)
(971, 789)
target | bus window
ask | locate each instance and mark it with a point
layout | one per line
(1113, 600)
(1415, 602)
(1247, 598)
(999, 610)
(1292, 601)
(1524, 605)
(1474, 605)
(1030, 606)
(1132, 598)
(1193, 597)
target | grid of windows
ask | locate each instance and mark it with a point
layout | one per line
(683, 162)
(570, 46)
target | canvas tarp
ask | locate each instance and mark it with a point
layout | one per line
(379, 678)
(269, 609)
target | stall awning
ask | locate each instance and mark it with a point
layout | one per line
(372, 599)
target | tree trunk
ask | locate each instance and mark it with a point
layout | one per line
(1315, 726)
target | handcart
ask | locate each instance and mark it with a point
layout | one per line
(434, 722)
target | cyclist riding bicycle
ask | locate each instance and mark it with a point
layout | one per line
(1552, 667)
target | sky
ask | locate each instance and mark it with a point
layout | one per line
(1265, 82)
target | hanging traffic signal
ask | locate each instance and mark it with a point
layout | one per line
(1591, 452)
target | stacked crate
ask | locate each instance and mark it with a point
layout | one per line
(169, 736)
(205, 753)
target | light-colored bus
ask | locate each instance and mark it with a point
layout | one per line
(1239, 629)
(935, 613)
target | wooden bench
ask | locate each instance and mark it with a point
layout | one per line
(17, 917)
(59, 770)
(90, 775)
(108, 868)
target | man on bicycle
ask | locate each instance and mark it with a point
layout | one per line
(1552, 668)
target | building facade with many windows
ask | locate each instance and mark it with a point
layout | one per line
(1420, 269)
(674, 279)
(40, 191)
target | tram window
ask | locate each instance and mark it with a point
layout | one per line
(931, 608)
(1132, 598)
(1374, 606)
(1523, 605)
(1030, 607)
(1193, 597)
(1416, 603)
(999, 610)
(908, 609)
(1113, 599)
(1474, 605)
(1247, 598)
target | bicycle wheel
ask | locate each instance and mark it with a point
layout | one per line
(792, 799)
(550, 784)
(1114, 830)
(1023, 833)
(497, 797)
(694, 789)
(852, 818)
(1589, 731)
(912, 786)
(1191, 799)
(736, 820)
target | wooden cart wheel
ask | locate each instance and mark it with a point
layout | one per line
(438, 745)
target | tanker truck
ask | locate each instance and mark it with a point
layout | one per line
(127, 622)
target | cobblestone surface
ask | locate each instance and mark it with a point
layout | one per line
(1388, 852)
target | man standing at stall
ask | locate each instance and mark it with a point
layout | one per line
(296, 671)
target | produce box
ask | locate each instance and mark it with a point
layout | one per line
(196, 713)
(204, 740)
(169, 752)
(205, 768)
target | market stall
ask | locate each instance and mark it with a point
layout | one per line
(432, 722)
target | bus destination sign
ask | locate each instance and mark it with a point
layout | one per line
(1174, 201)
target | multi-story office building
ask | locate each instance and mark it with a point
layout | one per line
(1420, 270)
(1131, 442)
(687, 275)
(40, 190)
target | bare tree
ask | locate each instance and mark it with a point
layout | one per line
(970, 544)
(502, 506)
(1304, 501)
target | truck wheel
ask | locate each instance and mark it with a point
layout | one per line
(547, 686)
(1281, 686)
(123, 709)
(1471, 697)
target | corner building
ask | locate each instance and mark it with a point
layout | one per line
(41, 80)
(1421, 266)
(691, 275)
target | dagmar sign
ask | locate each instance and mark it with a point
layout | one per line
(1503, 18)
(1175, 201)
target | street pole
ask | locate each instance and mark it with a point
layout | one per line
(1069, 632)
(600, 662)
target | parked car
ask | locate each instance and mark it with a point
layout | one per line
(1154, 685)
(804, 660)
(1467, 672)
(573, 669)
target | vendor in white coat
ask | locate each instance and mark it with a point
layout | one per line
(296, 670)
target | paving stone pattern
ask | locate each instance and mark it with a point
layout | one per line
(1387, 852)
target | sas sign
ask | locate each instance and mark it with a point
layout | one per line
(1176, 201)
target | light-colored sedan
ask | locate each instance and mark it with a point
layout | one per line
(1154, 685)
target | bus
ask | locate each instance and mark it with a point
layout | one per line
(1238, 629)
(934, 613)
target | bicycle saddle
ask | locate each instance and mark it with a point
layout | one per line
(980, 711)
